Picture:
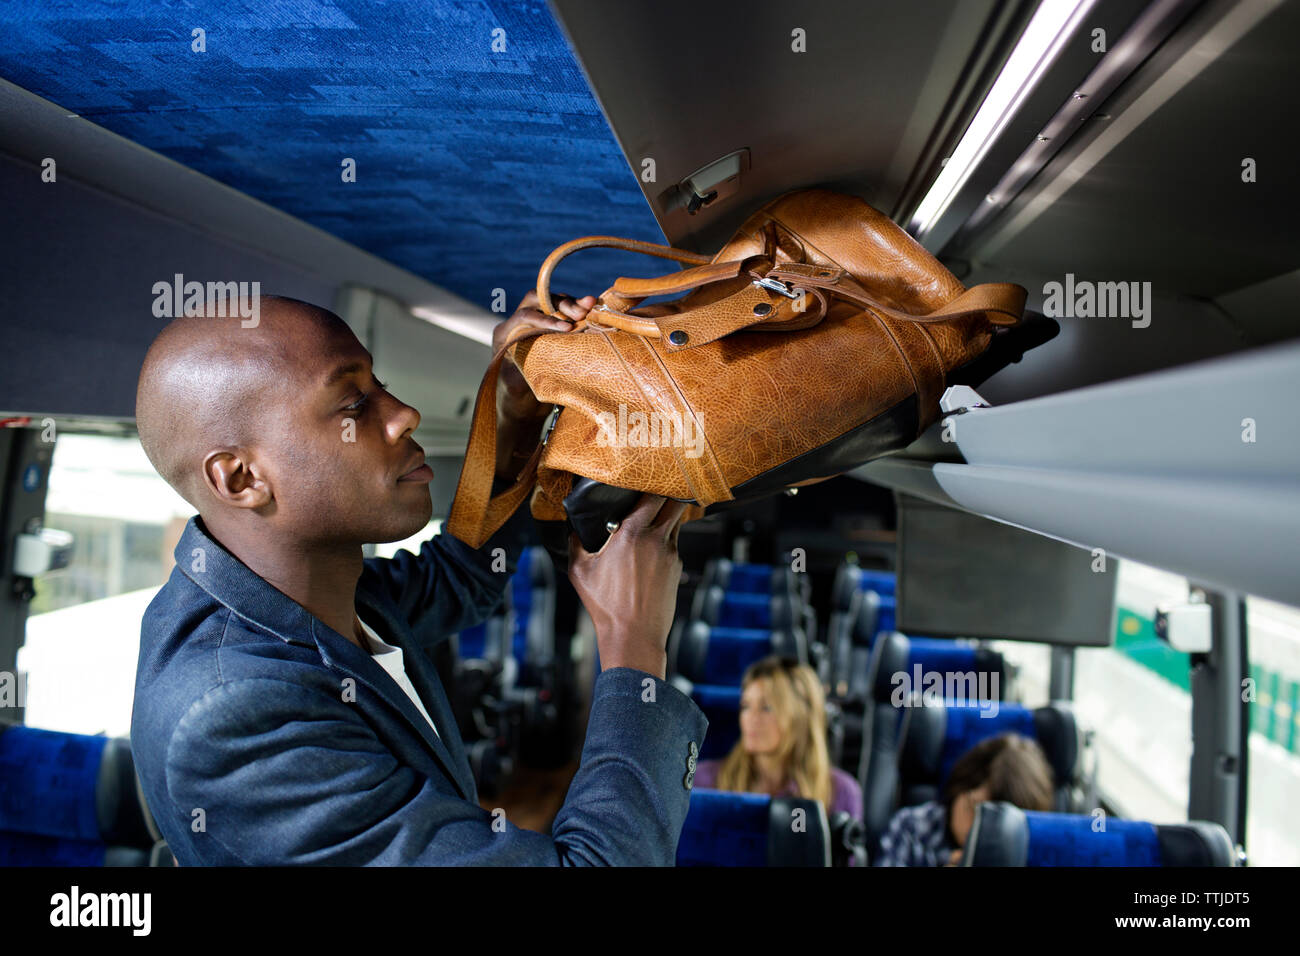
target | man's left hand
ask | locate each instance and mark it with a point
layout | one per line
(515, 400)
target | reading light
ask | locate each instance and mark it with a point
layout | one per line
(1052, 24)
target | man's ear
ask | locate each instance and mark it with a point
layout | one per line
(230, 476)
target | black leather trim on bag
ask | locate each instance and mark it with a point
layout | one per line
(591, 504)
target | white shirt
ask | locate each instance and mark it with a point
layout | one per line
(390, 659)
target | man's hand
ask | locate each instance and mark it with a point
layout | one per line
(629, 587)
(514, 398)
(519, 413)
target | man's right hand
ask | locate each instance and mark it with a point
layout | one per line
(629, 586)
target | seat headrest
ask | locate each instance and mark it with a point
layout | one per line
(717, 571)
(717, 607)
(721, 707)
(938, 736)
(1004, 835)
(850, 577)
(969, 724)
(711, 696)
(882, 582)
(721, 655)
(876, 615)
(753, 829)
(70, 788)
(1057, 732)
(845, 586)
(898, 657)
(50, 781)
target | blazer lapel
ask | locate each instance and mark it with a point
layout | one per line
(345, 657)
(424, 678)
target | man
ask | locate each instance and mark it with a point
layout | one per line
(285, 712)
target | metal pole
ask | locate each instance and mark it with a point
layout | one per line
(1061, 676)
(1217, 790)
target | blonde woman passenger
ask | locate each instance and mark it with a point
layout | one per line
(782, 746)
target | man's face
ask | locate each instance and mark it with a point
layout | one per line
(343, 447)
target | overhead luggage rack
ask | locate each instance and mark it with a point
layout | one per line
(1194, 469)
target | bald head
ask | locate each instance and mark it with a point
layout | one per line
(210, 383)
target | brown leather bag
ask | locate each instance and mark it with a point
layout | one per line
(818, 338)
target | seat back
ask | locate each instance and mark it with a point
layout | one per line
(717, 607)
(937, 668)
(721, 655)
(721, 705)
(938, 735)
(890, 672)
(743, 578)
(877, 614)
(1004, 835)
(69, 800)
(753, 829)
(850, 578)
(911, 750)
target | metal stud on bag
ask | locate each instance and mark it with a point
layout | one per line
(612, 526)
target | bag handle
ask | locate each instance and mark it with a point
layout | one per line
(611, 242)
(475, 514)
(1003, 303)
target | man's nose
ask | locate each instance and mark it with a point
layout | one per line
(403, 420)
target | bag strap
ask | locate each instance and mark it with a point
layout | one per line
(1003, 302)
(611, 242)
(475, 514)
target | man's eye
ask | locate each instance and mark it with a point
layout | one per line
(358, 405)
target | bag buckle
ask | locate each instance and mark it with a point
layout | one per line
(777, 286)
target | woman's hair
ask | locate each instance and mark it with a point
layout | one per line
(1010, 766)
(795, 696)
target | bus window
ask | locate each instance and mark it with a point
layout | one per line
(1136, 697)
(1273, 764)
(1029, 668)
(83, 633)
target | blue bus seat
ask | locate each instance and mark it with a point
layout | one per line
(720, 655)
(717, 607)
(744, 578)
(70, 800)
(912, 750)
(875, 687)
(721, 706)
(753, 829)
(849, 578)
(1005, 835)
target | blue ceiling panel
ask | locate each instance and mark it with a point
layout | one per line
(471, 164)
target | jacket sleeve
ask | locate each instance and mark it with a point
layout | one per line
(448, 586)
(287, 773)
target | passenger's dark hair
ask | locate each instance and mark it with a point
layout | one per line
(1010, 766)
